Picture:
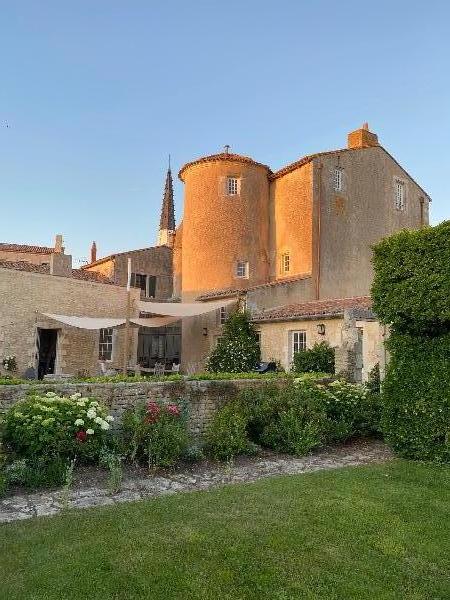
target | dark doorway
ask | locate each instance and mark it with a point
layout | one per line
(47, 351)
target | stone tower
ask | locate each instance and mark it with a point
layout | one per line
(167, 222)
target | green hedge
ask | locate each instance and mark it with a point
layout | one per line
(416, 397)
(318, 359)
(411, 287)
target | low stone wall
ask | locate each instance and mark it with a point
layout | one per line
(203, 397)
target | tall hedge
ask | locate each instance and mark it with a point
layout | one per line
(411, 287)
(416, 397)
(411, 293)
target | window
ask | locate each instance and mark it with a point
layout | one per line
(399, 194)
(105, 345)
(298, 341)
(285, 263)
(242, 268)
(145, 283)
(258, 338)
(232, 186)
(338, 179)
(223, 315)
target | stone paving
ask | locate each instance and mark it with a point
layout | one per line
(18, 507)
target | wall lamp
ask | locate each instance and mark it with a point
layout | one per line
(321, 329)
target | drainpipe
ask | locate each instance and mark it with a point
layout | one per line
(319, 211)
(421, 200)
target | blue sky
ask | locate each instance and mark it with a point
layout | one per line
(97, 94)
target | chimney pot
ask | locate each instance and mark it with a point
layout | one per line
(59, 248)
(93, 252)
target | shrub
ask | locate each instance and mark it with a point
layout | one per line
(157, 432)
(319, 359)
(237, 349)
(55, 425)
(37, 472)
(411, 286)
(226, 436)
(416, 397)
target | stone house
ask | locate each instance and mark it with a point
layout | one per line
(275, 238)
(347, 324)
(27, 291)
(36, 255)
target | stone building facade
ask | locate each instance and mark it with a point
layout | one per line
(302, 233)
(27, 291)
(36, 255)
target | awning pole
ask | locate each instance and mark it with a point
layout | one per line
(127, 322)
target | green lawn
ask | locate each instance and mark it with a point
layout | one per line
(367, 532)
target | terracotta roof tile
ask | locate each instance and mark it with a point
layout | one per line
(227, 292)
(26, 248)
(316, 308)
(45, 270)
(221, 157)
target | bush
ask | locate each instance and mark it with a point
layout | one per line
(52, 425)
(411, 287)
(37, 472)
(156, 432)
(416, 397)
(226, 436)
(319, 359)
(237, 350)
(295, 419)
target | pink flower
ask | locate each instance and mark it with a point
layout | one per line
(173, 410)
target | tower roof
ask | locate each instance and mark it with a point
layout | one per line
(167, 220)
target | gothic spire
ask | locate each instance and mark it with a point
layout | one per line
(167, 221)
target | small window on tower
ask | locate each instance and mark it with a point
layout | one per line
(399, 194)
(285, 263)
(338, 179)
(232, 186)
(242, 268)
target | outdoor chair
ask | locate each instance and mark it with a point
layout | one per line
(159, 369)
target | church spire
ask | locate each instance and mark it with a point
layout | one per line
(167, 221)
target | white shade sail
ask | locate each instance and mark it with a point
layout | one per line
(86, 322)
(182, 309)
(93, 323)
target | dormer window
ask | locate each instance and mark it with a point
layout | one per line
(399, 194)
(232, 186)
(338, 179)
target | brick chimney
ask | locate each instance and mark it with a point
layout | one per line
(61, 264)
(59, 248)
(93, 252)
(362, 138)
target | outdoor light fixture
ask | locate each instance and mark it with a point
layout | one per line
(205, 331)
(321, 329)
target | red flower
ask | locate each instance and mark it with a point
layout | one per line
(173, 410)
(81, 436)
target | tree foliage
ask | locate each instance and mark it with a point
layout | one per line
(411, 287)
(237, 350)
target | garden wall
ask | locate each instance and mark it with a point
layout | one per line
(204, 397)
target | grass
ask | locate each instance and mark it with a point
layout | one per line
(378, 532)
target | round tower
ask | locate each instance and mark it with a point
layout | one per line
(225, 224)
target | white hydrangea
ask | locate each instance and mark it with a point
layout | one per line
(75, 396)
(50, 395)
(98, 420)
(81, 403)
(104, 425)
(79, 422)
(90, 431)
(109, 418)
(93, 403)
(91, 413)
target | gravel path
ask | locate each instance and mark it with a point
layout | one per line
(18, 507)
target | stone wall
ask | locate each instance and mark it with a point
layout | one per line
(203, 397)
